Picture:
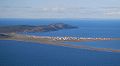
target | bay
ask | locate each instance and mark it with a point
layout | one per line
(18, 53)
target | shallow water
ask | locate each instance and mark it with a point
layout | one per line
(113, 44)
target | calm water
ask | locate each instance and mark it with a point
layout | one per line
(14, 52)
(20, 53)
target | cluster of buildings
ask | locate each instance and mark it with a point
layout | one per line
(68, 38)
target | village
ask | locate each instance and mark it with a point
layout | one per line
(68, 38)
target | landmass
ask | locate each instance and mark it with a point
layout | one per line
(52, 41)
(39, 28)
(4, 36)
(11, 33)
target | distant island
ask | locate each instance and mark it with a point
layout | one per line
(40, 28)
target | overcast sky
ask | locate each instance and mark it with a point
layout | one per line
(60, 9)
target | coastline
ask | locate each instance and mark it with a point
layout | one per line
(49, 41)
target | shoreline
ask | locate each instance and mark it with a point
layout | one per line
(49, 41)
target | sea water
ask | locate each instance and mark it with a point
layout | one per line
(17, 53)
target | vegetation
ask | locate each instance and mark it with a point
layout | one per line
(40, 28)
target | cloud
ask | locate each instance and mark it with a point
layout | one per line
(114, 13)
(53, 9)
(60, 12)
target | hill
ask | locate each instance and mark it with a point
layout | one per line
(40, 28)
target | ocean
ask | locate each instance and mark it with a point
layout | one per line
(18, 53)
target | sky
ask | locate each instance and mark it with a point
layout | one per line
(105, 9)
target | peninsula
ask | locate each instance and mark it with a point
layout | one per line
(11, 33)
(59, 41)
(39, 28)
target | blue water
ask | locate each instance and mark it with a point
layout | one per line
(113, 44)
(16, 53)
(30, 54)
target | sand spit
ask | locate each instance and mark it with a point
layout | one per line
(59, 41)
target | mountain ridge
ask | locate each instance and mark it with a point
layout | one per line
(39, 28)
